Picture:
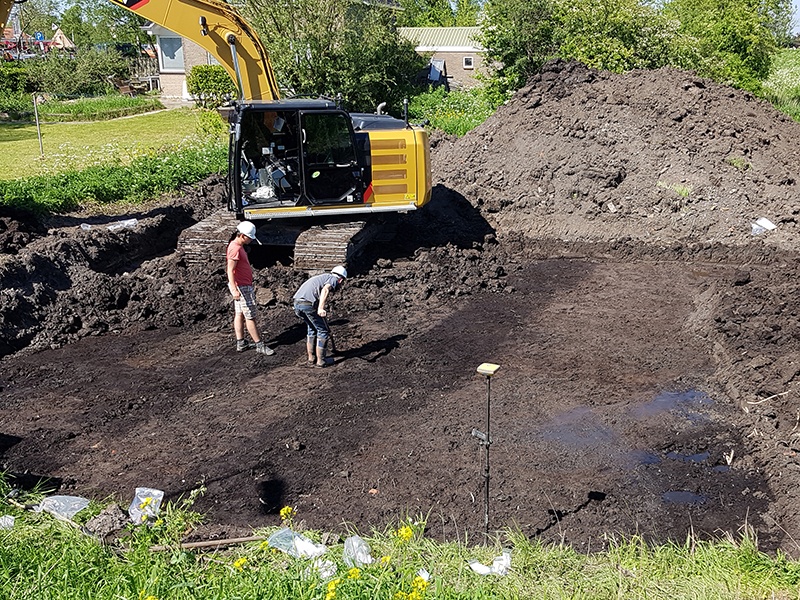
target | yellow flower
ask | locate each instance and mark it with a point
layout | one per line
(151, 597)
(287, 512)
(354, 573)
(333, 583)
(264, 545)
(415, 595)
(400, 596)
(419, 583)
(332, 589)
(239, 563)
(385, 560)
(405, 533)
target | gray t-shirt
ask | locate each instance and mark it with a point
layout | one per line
(311, 289)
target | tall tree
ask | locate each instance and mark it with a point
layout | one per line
(336, 46)
(616, 35)
(731, 41)
(38, 15)
(518, 37)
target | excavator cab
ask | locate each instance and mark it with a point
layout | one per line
(294, 153)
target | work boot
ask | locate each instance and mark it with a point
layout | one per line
(262, 348)
(322, 360)
(311, 349)
(242, 345)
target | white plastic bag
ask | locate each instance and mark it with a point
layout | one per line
(295, 544)
(126, 224)
(145, 505)
(357, 552)
(7, 522)
(62, 506)
(500, 565)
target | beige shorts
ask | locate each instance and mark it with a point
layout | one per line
(246, 304)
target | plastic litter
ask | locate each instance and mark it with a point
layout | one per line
(357, 552)
(85, 226)
(295, 544)
(325, 568)
(145, 505)
(62, 506)
(126, 224)
(6, 522)
(761, 225)
(500, 565)
(424, 574)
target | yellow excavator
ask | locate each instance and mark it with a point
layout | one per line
(308, 173)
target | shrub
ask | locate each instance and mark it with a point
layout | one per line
(84, 74)
(210, 124)
(455, 112)
(210, 85)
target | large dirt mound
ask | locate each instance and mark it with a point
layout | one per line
(594, 237)
(654, 156)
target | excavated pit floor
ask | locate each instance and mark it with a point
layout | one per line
(649, 354)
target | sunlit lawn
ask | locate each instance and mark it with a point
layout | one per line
(77, 145)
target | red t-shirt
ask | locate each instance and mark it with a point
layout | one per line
(242, 272)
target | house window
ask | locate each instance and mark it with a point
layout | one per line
(468, 62)
(171, 54)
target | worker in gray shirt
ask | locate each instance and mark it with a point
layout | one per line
(309, 304)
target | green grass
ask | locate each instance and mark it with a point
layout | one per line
(46, 559)
(97, 109)
(782, 88)
(71, 146)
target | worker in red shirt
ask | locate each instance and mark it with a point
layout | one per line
(240, 284)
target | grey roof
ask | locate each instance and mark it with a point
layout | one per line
(442, 39)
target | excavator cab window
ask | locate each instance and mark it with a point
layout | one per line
(332, 172)
(296, 157)
(269, 158)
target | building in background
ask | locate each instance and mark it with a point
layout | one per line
(456, 56)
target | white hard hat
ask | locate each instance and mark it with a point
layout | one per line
(340, 271)
(248, 229)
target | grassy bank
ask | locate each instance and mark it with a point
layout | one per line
(71, 146)
(44, 558)
(782, 88)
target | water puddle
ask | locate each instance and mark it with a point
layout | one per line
(642, 457)
(696, 458)
(681, 497)
(686, 404)
(577, 428)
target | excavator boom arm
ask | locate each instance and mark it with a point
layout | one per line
(5, 10)
(221, 31)
(213, 25)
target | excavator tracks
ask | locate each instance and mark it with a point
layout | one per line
(321, 247)
(316, 248)
(207, 239)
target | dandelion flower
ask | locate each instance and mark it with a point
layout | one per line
(332, 589)
(419, 583)
(287, 512)
(354, 573)
(385, 560)
(405, 533)
(239, 563)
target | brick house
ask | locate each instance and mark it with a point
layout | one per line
(176, 57)
(455, 53)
